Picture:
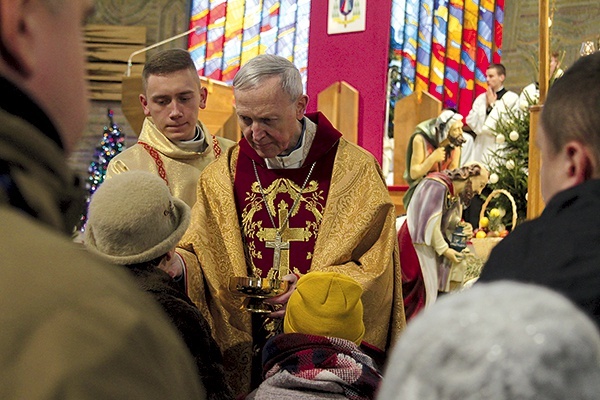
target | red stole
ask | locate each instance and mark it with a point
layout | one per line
(281, 188)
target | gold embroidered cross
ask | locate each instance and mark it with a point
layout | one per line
(279, 240)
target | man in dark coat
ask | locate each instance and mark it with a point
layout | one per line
(71, 325)
(560, 248)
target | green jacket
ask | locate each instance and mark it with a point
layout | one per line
(71, 326)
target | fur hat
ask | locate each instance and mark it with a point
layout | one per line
(326, 304)
(132, 218)
(502, 341)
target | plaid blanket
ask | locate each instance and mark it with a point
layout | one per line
(306, 363)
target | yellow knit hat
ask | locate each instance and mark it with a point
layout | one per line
(326, 304)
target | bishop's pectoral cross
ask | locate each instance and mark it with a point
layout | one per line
(279, 240)
(278, 245)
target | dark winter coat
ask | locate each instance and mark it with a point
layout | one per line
(192, 327)
(71, 325)
(560, 249)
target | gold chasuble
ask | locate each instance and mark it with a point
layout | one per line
(179, 168)
(332, 214)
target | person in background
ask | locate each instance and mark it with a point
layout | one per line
(560, 248)
(531, 93)
(319, 353)
(173, 143)
(292, 197)
(501, 341)
(436, 145)
(134, 221)
(488, 108)
(495, 104)
(72, 325)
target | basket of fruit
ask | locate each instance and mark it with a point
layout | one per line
(491, 229)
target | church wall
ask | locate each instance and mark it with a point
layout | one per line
(574, 21)
(360, 59)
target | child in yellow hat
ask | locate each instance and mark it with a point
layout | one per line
(319, 350)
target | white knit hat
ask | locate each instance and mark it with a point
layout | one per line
(133, 218)
(503, 341)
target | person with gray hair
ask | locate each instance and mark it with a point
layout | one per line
(173, 144)
(291, 197)
(500, 341)
(270, 65)
(72, 326)
(560, 248)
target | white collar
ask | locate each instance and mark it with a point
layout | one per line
(292, 160)
(198, 143)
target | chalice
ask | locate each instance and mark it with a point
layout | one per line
(256, 289)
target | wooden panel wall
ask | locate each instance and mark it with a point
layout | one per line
(108, 48)
(409, 112)
(339, 103)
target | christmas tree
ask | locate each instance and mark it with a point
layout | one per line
(509, 167)
(112, 143)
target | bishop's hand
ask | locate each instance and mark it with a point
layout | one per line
(279, 303)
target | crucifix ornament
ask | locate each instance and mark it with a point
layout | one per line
(277, 245)
(279, 240)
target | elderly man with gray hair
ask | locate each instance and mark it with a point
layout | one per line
(292, 196)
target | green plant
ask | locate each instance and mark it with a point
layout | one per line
(509, 168)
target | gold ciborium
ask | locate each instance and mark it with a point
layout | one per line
(256, 289)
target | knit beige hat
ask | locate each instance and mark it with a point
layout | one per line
(132, 218)
(326, 304)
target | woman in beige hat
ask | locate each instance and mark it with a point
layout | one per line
(134, 221)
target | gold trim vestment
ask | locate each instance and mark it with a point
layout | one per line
(357, 237)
